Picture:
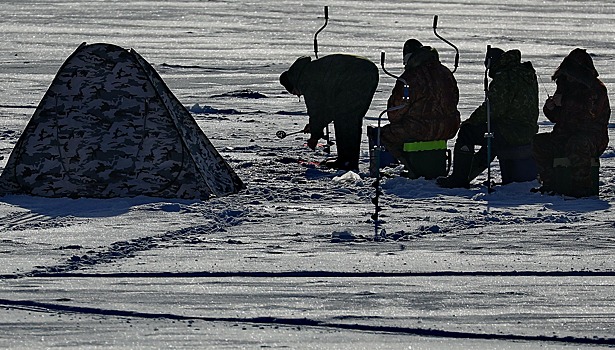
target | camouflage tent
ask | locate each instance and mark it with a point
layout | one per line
(108, 126)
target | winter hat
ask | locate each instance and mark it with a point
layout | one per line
(410, 47)
(290, 78)
(492, 56)
(578, 64)
(286, 82)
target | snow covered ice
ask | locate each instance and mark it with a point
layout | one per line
(291, 261)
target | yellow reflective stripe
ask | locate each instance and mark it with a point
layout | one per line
(424, 145)
(565, 162)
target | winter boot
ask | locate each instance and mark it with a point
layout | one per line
(581, 182)
(546, 179)
(340, 164)
(479, 164)
(462, 166)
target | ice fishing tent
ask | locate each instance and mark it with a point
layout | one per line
(108, 126)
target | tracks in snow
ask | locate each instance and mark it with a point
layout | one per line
(302, 322)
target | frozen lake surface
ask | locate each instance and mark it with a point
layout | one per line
(291, 261)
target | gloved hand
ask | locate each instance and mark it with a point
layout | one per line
(312, 143)
(553, 101)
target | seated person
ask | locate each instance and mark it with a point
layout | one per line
(580, 110)
(513, 108)
(426, 107)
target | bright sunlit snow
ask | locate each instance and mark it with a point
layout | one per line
(291, 262)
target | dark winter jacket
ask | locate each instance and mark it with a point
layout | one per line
(513, 100)
(430, 111)
(584, 100)
(335, 87)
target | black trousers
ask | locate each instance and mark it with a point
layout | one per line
(471, 135)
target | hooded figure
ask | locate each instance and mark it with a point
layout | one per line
(580, 111)
(513, 108)
(337, 88)
(427, 102)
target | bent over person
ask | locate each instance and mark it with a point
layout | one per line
(426, 103)
(580, 110)
(337, 88)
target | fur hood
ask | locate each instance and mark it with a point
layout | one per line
(577, 66)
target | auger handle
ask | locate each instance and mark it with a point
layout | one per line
(435, 26)
(320, 30)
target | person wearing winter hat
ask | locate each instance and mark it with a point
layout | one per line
(513, 112)
(337, 88)
(423, 103)
(580, 111)
(410, 47)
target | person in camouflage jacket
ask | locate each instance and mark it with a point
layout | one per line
(426, 107)
(580, 110)
(513, 108)
(337, 88)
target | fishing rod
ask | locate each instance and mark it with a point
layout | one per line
(543, 85)
(435, 25)
(488, 134)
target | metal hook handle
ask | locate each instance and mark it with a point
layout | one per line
(320, 30)
(406, 86)
(435, 25)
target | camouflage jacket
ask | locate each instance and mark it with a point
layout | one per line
(513, 100)
(430, 111)
(584, 108)
(335, 87)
